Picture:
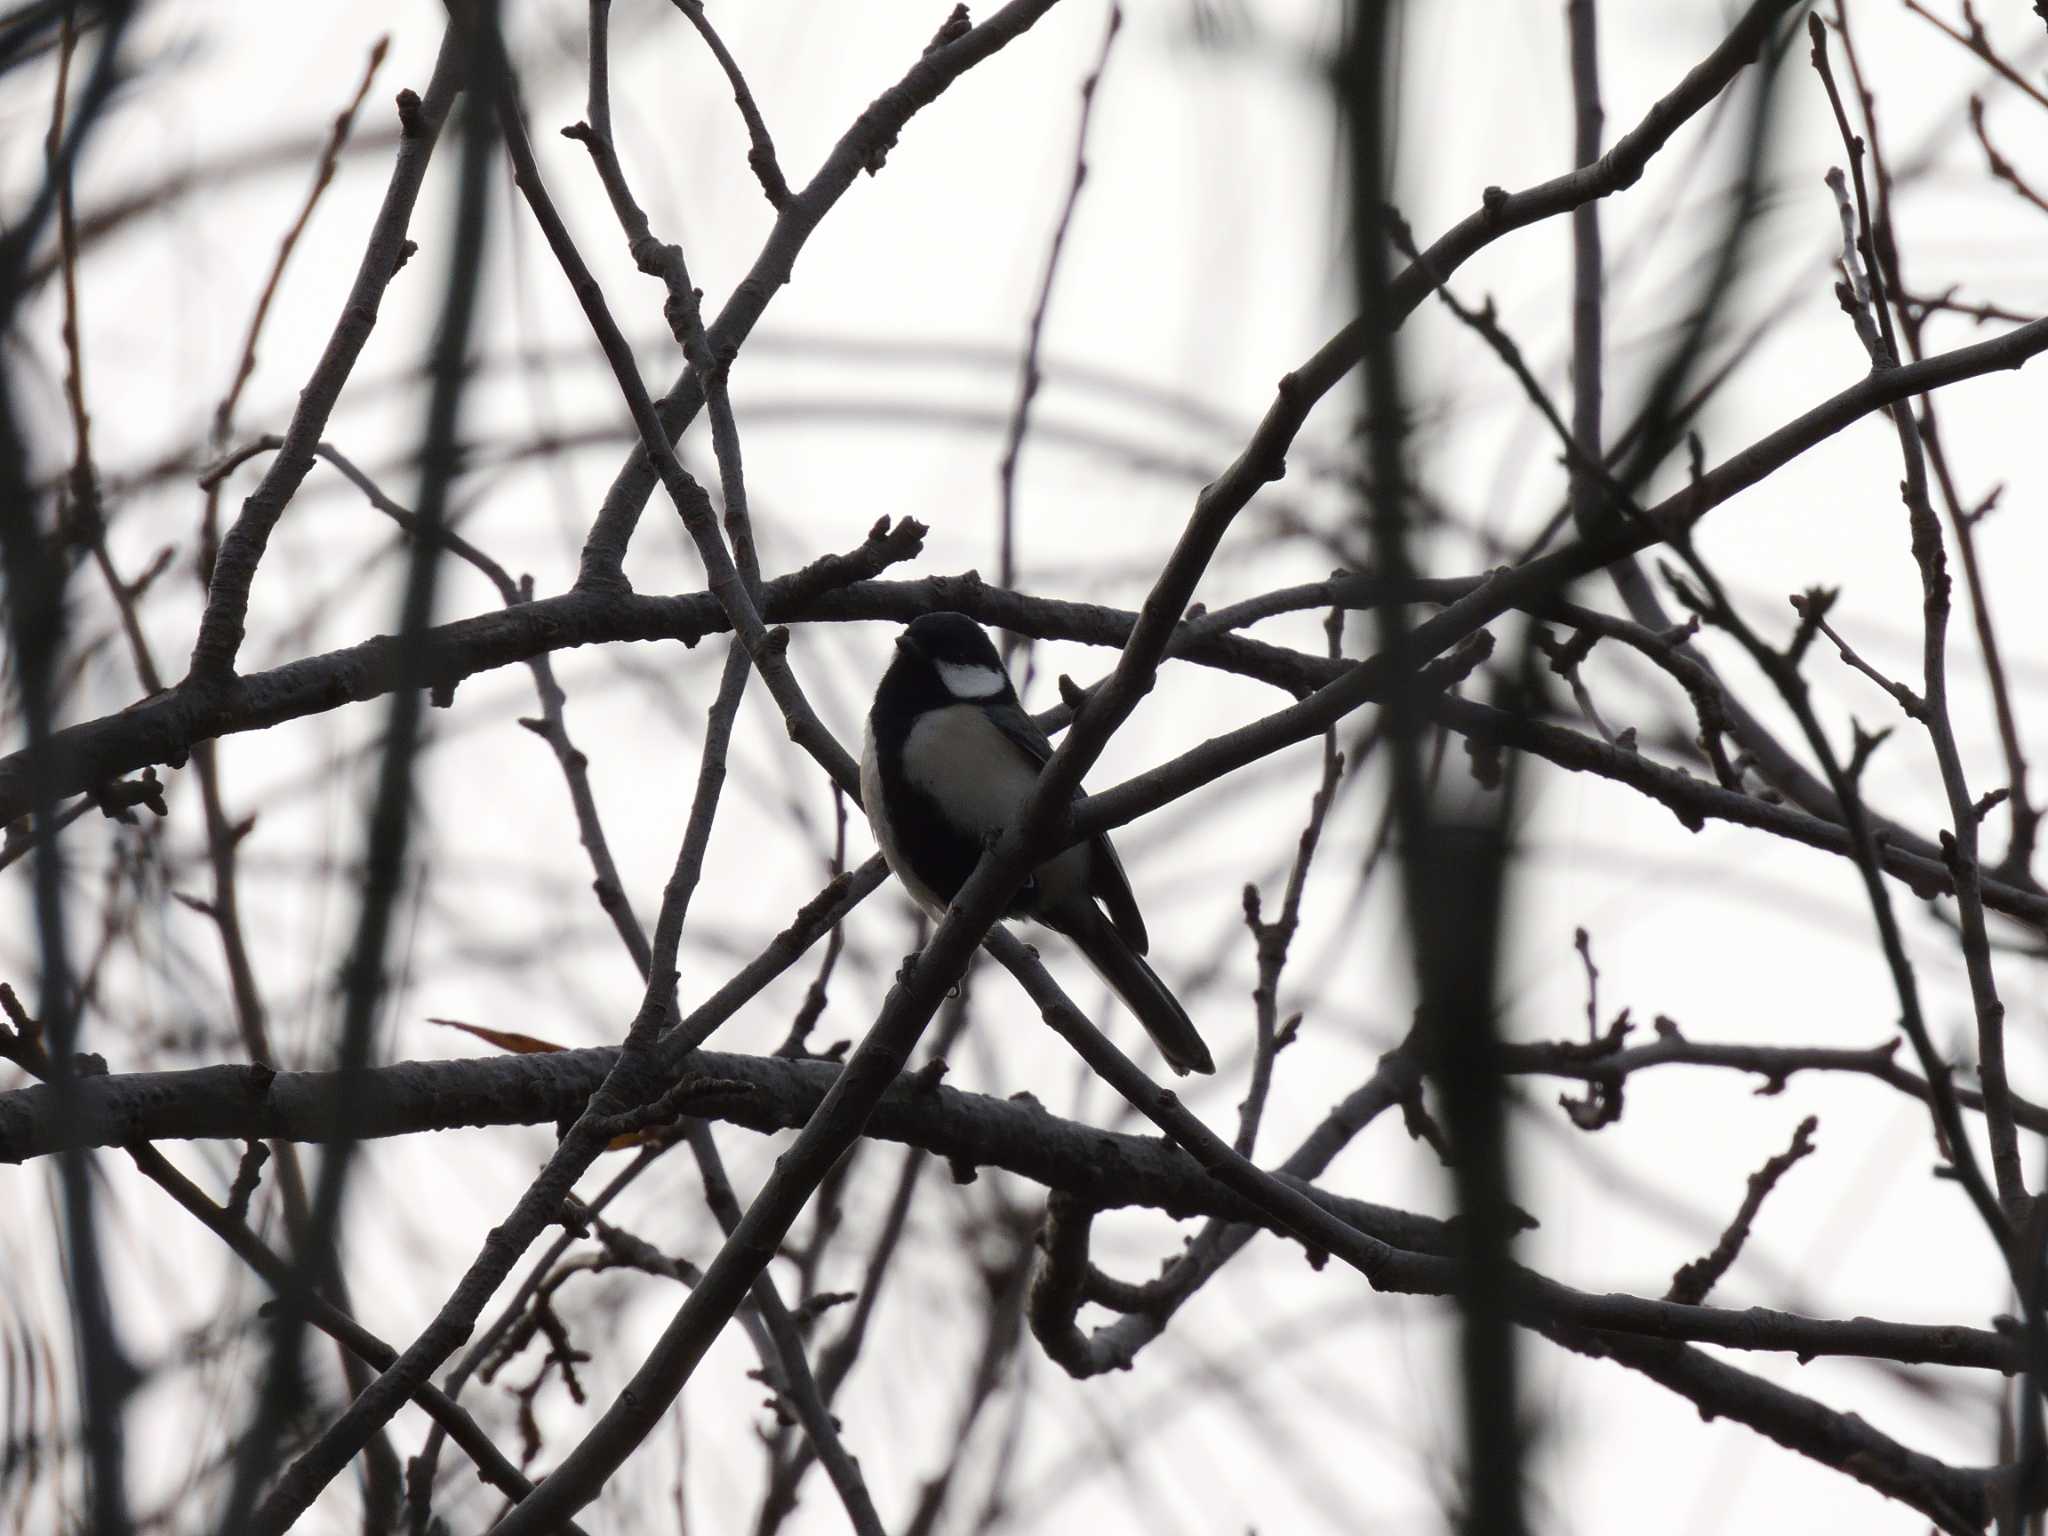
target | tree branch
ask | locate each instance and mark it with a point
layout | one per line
(1103, 1170)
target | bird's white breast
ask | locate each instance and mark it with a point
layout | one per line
(980, 779)
(975, 774)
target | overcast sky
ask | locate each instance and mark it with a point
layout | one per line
(1204, 261)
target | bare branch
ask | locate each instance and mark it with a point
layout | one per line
(1693, 1281)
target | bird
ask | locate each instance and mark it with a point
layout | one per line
(949, 760)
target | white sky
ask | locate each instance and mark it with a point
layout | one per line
(1203, 262)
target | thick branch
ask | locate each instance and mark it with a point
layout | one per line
(163, 729)
(1101, 1169)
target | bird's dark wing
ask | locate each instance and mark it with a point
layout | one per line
(1106, 878)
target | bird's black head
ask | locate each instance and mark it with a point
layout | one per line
(946, 658)
(952, 638)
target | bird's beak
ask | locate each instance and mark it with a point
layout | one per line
(907, 645)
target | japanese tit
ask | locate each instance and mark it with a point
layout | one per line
(950, 758)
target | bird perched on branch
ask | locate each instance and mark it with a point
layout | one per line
(951, 758)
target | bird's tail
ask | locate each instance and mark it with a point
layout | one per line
(1142, 991)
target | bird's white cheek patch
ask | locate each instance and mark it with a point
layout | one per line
(969, 681)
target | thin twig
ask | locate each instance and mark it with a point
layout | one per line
(488, 1343)
(805, 1019)
(1996, 163)
(684, 311)
(1272, 940)
(1693, 1281)
(374, 494)
(232, 571)
(862, 148)
(1608, 1062)
(1961, 842)
(1588, 275)
(761, 155)
(1585, 462)
(1709, 599)
(1029, 374)
(1875, 300)
(838, 1358)
(798, 1384)
(1009, 1282)
(2025, 815)
(728, 581)
(1975, 40)
(323, 174)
